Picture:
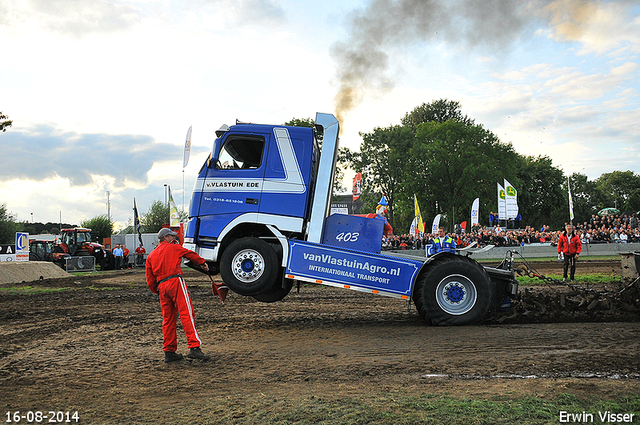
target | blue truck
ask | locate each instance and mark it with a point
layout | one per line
(259, 215)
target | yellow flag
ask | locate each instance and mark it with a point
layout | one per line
(420, 224)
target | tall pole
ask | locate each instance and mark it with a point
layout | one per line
(165, 195)
(182, 189)
(108, 207)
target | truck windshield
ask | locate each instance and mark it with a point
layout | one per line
(241, 152)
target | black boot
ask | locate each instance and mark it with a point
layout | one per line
(196, 353)
(170, 356)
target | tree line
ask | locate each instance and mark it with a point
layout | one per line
(102, 226)
(447, 160)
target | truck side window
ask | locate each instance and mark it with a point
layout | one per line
(241, 152)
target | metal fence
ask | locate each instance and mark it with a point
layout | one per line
(81, 264)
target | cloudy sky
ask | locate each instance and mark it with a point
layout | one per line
(102, 92)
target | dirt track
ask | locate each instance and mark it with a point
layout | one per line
(95, 347)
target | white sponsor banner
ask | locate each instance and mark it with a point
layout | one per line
(502, 203)
(511, 200)
(475, 212)
(187, 149)
(7, 253)
(436, 223)
(22, 246)
(413, 227)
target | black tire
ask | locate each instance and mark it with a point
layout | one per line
(276, 292)
(249, 266)
(35, 257)
(454, 290)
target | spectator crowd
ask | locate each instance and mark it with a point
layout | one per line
(607, 229)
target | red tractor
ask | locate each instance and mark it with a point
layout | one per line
(40, 250)
(77, 242)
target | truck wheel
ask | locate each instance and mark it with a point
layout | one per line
(454, 291)
(249, 266)
(276, 292)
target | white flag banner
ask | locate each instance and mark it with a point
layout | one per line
(502, 203)
(187, 149)
(511, 200)
(475, 212)
(436, 223)
(570, 200)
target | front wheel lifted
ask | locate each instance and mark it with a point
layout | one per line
(249, 266)
(454, 291)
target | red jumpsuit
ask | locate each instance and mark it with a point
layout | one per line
(164, 262)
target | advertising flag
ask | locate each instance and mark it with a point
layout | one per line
(357, 186)
(413, 229)
(511, 199)
(502, 203)
(475, 207)
(418, 217)
(136, 221)
(187, 149)
(436, 223)
(174, 217)
(570, 200)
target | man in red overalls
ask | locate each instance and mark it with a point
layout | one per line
(570, 246)
(164, 277)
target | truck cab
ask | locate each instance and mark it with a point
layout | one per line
(256, 176)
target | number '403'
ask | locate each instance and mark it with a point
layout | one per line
(347, 236)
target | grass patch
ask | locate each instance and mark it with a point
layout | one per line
(583, 279)
(31, 290)
(103, 288)
(394, 408)
(81, 274)
(583, 257)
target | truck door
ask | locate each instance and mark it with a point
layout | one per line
(285, 191)
(233, 182)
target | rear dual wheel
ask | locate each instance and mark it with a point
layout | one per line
(454, 290)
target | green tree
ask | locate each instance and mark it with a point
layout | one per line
(542, 198)
(5, 122)
(441, 111)
(586, 196)
(101, 227)
(151, 222)
(382, 160)
(621, 190)
(8, 225)
(156, 217)
(454, 162)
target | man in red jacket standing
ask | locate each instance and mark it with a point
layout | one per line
(570, 246)
(164, 277)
